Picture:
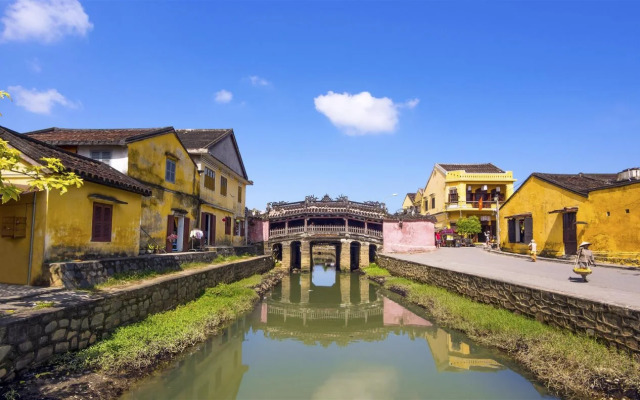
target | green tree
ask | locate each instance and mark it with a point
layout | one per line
(50, 174)
(468, 226)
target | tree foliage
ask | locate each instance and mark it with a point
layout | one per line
(468, 226)
(49, 174)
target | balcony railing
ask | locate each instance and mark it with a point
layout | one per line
(325, 229)
(471, 205)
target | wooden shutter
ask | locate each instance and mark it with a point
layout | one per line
(528, 229)
(212, 230)
(169, 244)
(185, 235)
(101, 222)
(242, 228)
(512, 230)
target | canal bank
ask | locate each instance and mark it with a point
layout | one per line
(109, 367)
(574, 366)
(30, 337)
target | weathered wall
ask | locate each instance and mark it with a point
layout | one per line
(222, 206)
(147, 163)
(614, 237)
(617, 326)
(14, 267)
(412, 236)
(28, 340)
(547, 228)
(69, 224)
(258, 230)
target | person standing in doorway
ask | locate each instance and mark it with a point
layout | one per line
(533, 248)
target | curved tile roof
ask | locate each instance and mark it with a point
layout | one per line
(87, 168)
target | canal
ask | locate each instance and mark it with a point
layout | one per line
(328, 335)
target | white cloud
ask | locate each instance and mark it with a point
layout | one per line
(257, 81)
(411, 104)
(39, 102)
(44, 20)
(223, 96)
(359, 114)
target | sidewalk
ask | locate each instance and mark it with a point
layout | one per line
(619, 286)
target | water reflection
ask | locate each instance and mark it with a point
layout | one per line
(331, 335)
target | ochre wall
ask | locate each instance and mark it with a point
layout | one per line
(147, 162)
(615, 238)
(15, 251)
(539, 197)
(69, 224)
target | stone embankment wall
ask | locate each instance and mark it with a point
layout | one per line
(616, 326)
(29, 340)
(85, 274)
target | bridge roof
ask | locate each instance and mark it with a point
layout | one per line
(327, 207)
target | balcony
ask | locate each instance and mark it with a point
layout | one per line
(470, 205)
(325, 229)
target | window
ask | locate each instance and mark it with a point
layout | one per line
(239, 194)
(227, 225)
(170, 171)
(102, 156)
(433, 203)
(453, 195)
(223, 186)
(209, 179)
(101, 225)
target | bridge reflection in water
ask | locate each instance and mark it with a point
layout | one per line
(334, 311)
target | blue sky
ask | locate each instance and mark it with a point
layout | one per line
(355, 98)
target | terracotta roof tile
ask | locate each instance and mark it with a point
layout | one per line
(580, 183)
(86, 168)
(473, 168)
(70, 136)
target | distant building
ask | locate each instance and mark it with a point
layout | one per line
(456, 191)
(560, 211)
(99, 219)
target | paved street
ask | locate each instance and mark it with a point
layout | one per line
(620, 286)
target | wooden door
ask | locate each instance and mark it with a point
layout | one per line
(570, 238)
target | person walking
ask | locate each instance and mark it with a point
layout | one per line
(438, 238)
(533, 249)
(584, 260)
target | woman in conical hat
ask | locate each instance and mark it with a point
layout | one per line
(584, 260)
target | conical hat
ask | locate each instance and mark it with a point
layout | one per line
(584, 244)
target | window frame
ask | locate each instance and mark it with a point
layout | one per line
(239, 193)
(101, 230)
(209, 178)
(223, 185)
(170, 173)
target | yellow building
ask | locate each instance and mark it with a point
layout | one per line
(560, 211)
(222, 187)
(154, 157)
(99, 219)
(412, 200)
(456, 191)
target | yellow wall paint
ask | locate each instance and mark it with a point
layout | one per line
(147, 162)
(15, 251)
(69, 224)
(539, 197)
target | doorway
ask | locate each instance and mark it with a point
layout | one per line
(569, 236)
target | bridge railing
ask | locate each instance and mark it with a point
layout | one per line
(327, 229)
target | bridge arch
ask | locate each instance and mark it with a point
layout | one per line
(296, 254)
(276, 251)
(373, 253)
(354, 255)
